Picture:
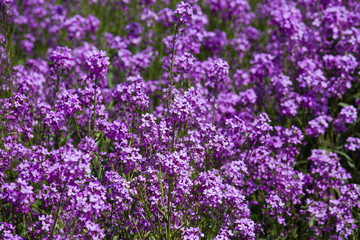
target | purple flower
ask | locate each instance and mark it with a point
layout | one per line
(218, 74)
(28, 43)
(6, 232)
(92, 23)
(68, 103)
(18, 193)
(7, 2)
(62, 58)
(76, 27)
(232, 9)
(132, 92)
(276, 204)
(352, 144)
(15, 107)
(347, 115)
(246, 228)
(184, 63)
(46, 222)
(289, 19)
(97, 63)
(318, 125)
(192, 234)
(183, 13)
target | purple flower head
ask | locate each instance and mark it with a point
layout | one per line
(248, 97)
(241, 78)
(336, 18)
(289, 107)
(68, 103)
(234, 172)
(51, 118)
(15, 107)
(165, 17)
(97, 63)
(94, 230)
(58, 14)
(192, 234)
(216, 41)
(7, 229)
(318, 125)
(88, 145)
(92, 23)
(6, 2)
(262, 66)
(219, 73)
(225, 234)
(282, 83)
(148, 17)
(20, 194)
(132, 92)
(324, 166)
(120, 190)
(38, 65)
(62, 58)
(184, 63)
(9, 7)
(237, 10)
(211, 187)
(46, 222)
(289, 20)
(185, 107)
(347, 115)
(183, 13)
(76, 27)
(345, 63)
(116, 130)
(28, 43)
(246, 228)
(134, 33)
(260, 128)
(276, 204)
(352, 144)
(241, 43)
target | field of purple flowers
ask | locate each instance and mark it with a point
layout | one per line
(162, 119)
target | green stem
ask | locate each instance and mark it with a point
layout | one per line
(147, 210)
(58, 208)
(94, 116)
(136, 227)
(172, 66)
(168, 237)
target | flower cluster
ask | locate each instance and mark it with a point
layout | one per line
(216, 119)
(183, 13)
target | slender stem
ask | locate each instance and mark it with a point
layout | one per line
(89, 125)
(172, 143)
(56, 88)
(58, 210)
(147, 209)
(169, 212)
(213, 103)
(172, 66)
(132, 127)
(94, 116)
(136, 227)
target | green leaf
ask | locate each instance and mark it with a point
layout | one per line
(342, 104)
(312, 221)
(36, 206)
(348, 158)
